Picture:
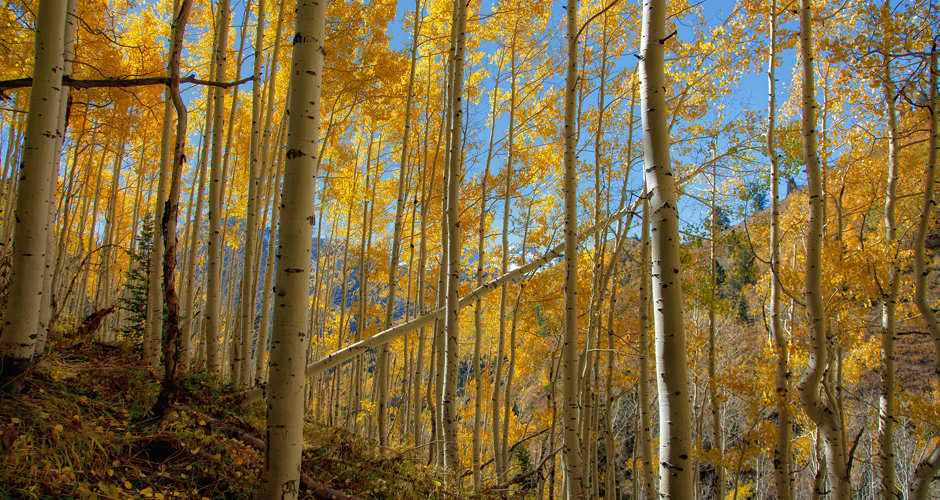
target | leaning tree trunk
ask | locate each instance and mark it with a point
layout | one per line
(289, 344)
(31, 226)
(571, 443)
(783, 475)
(675, 439)
(819, 411)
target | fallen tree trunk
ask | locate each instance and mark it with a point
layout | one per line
(338, 357)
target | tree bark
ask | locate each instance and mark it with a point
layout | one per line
(382, 373)
(819, 411)
(644, 433)
(48, 277)
(928, 466)
(889, 297)
(249, 284)
(212, 308)
(571, 442)
(675, 440)
(454, 175)
(153, 326)
(783, 465)
(21, 316)
(288, 347)
(171, 341)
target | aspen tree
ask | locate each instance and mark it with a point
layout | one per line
(171, 341)
(342, 330)
(365, 243)
(819, 411)
(288, 346)
(644, 433)
(153, 326)
(426, 191)
(212, 307)
(48, 277)
(783, 475)
(675, 440)
(103, 293)
(382, 373)
(928, 466)
(889, 291)
(265, 333)
(478, 309)
(249, 285)
(498, 443)
(571, 442)
(195, 226)
(717, 437)
(37, 164)
(451, 326)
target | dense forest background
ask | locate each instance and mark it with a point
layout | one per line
(509, 248)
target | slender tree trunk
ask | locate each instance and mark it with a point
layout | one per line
(717, 435)
(889, 298)
(644, 433)
(265, 332)
(382, 373)
(363, 278)
(498, 444)
(211, 310)
(783, 474)
(171, 341)
(195, 227)
(288, 347)
(103, 293)
(451, 325)
(571, 442)
(478, 307)
(820, 412)
(675, 440)
(21, 315)
(929, 465)
(249, 285)
(153, 326)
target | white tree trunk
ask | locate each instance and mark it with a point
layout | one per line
(48, 277)
(288, 347)
(928, 466)
(212, 308)
(675, 439)
(819, 411)
(249, 286)
(31, 226)
(783, 475)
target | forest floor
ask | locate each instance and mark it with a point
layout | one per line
(80, 429)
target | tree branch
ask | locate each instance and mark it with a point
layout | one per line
(19, 83)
